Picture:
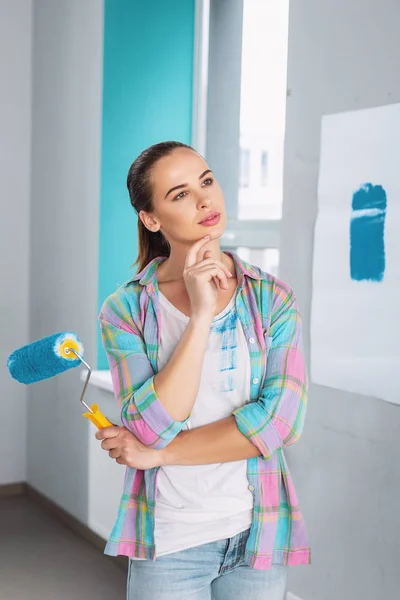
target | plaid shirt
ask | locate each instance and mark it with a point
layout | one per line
(272, 420)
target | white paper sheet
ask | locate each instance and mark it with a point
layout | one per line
(355, 324)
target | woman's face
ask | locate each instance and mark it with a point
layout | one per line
(185, 193)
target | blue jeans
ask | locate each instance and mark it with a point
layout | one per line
(213, 571)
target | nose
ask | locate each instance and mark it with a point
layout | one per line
(203, 201)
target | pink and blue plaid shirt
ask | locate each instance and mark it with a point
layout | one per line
(273, 419)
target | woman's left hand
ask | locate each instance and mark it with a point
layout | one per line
(127, 450)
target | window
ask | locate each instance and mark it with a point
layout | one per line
(263, 103)
(264, 169)
(244, 124)
(244, 168)
(265, 258)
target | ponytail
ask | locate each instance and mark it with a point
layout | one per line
(151, 245)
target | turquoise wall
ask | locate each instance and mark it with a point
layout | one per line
(147, 98)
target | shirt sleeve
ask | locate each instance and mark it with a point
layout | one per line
(276, 419)
(133, 382)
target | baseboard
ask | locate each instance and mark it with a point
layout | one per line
(12, 489)
(60, 515)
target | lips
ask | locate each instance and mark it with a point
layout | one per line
(211, 219)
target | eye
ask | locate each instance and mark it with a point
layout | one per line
(208, 181)
(180, 196)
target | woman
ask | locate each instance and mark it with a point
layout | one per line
(205, 356)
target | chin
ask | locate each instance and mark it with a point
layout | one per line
(214, 232)
(217, 234)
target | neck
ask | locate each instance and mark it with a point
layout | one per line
(173, 267)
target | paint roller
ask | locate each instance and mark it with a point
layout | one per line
(51, 356)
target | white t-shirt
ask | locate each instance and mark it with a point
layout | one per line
(196, 505)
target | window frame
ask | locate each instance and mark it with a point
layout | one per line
(216, 114)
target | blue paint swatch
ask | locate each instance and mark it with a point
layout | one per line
(227, 327)
(367, 233)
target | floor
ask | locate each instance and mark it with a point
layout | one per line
(42, 560)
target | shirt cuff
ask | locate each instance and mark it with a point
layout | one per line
(253, 422)
(154, 413)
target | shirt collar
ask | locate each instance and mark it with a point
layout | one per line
(148, 275)
(244, 269)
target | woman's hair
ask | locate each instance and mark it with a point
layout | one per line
(140, 191)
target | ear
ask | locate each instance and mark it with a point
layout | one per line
(149, 221)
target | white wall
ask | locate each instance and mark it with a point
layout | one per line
(15, 141)
(66, 120)
(343, 55)
(105, 476)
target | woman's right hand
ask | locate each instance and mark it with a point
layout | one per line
(203, 278)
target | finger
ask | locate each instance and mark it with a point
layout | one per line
(115, 453)
(108, 432)
(222, 281)
(207, 255)
(213, 272)
(209, 262)
(208, 270)
(109, 444)
(191, 256)
(218, 263)
(216, 282)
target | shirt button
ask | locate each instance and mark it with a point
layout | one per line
(255, 380)
(251, 488)
(251, 340)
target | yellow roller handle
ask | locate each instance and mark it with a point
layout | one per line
(97, 417)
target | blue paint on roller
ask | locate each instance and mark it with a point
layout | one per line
(367, 233)
(44, 359)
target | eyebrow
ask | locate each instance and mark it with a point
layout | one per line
(183, 185)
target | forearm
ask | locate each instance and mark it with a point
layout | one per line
(219, 442)
(177, 384)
